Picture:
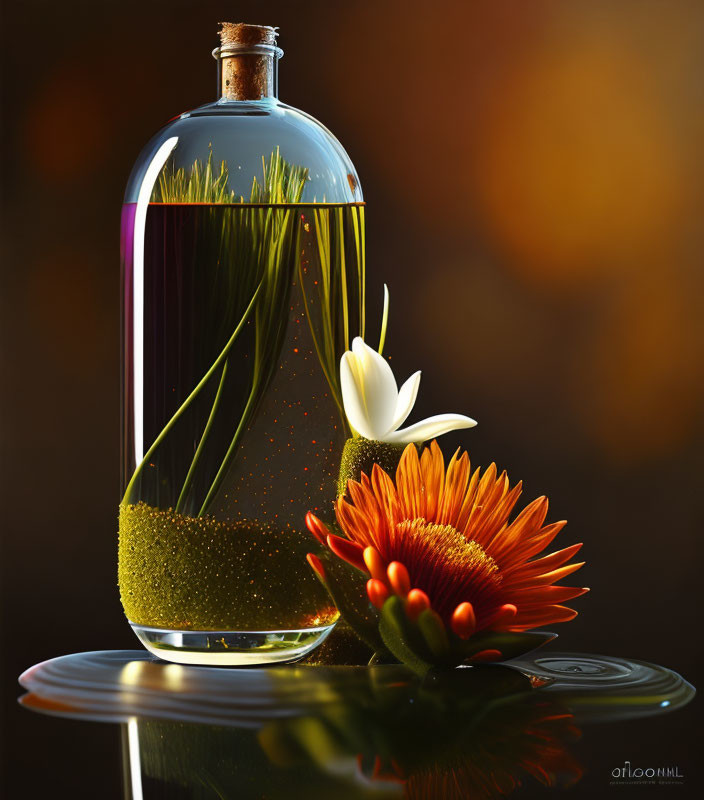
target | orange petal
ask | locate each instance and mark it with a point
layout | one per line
(399, 578)
(408, 483)
(348, 551)
(464, 622)
(416, 602)
(489, 530)
(549, 577)
(546, 595)
(364, 501)
(455, 487)
(482, 499)
(533, 515)
(543, 616)
(378, 593)
(317, 528)
(385, 493)
(432, 467)
(352, 522)
(532, 545)
(317, 565)
(468, 503)
(544, 564)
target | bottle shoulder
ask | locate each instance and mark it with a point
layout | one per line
(242, 134)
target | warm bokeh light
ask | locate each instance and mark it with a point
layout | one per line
(638, 388)
(557, 149)
(578, 162)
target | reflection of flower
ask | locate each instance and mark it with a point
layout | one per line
(478, 733)
(376, 408)
(442, 556)
(495, 768)
(531, 745)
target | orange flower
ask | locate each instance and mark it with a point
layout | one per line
(442, 539)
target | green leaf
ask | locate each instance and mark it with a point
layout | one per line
(346, 586)
(403, 638)
(434, 633)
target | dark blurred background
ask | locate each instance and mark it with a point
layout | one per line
(534, 180)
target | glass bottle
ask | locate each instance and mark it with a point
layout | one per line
(243, 283)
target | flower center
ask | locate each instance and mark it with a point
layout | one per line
(445, 547)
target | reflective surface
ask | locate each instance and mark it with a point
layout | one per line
(357, 732)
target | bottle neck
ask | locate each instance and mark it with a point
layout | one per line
(247, 75)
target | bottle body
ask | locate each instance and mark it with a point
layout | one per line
(243, 284)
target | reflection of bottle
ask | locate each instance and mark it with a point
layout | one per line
(243, 276)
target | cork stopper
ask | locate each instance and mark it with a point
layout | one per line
(247, 56)
(241, 33)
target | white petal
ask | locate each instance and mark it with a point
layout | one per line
(379, 390)
(406, 400)
(350, 378)
(429, 428)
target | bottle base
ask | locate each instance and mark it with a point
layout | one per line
(230, 648)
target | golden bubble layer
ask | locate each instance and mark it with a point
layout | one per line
(200, 573)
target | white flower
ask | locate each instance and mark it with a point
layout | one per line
(376, 408)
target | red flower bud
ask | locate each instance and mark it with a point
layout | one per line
(374, 564)
(399, 578)
(416, 603)
(378, 593)
(464, 622)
